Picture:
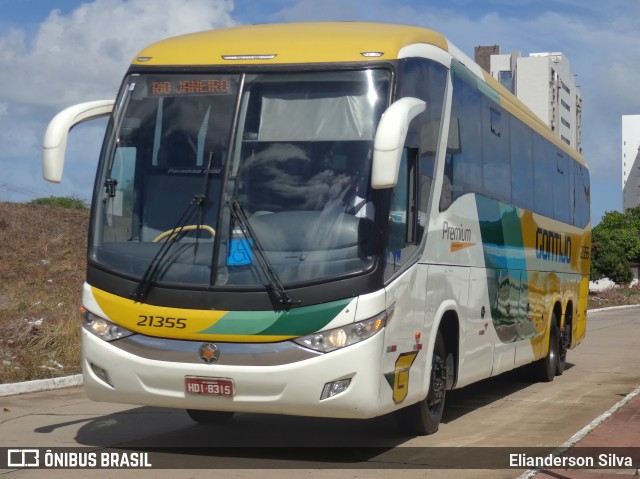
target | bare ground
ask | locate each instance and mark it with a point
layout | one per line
(42, 267)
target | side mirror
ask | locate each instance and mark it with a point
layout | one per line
(389, 141)
(55, 138)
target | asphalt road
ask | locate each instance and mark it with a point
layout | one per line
(506, 412)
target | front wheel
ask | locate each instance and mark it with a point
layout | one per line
(424, 417)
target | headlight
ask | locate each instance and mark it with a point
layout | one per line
(104, 329)
(332, 339)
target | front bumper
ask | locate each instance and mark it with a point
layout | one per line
(292, 388)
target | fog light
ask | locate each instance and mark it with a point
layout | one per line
(334, 388)
(101, 373)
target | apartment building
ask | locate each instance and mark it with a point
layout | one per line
(543, 82)
(630, 161)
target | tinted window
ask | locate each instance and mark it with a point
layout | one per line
(582, 196)
(522, 164)
(463, 163)
(495, 149)
(543, 171)
(492, 153)
(562, 210)
(426, 80)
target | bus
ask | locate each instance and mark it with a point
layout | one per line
(339, 220)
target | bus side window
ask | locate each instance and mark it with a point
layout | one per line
(582, 196)
(522, 165)
(562, 204)
(496, 163)
(544, 171)
(404, 231)
(463, 161)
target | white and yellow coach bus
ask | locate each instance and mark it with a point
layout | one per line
(324, 219)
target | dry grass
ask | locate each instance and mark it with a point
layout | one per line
(618, 296)
(42, 267)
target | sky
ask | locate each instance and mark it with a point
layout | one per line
(56, 53)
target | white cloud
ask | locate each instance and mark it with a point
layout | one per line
(84, 55)
(73, 58)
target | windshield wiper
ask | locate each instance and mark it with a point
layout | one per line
(283, 299)
(176, 234)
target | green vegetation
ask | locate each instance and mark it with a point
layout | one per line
(69, 202)
(615, 243)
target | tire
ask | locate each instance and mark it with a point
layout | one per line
(209, 417)
(424, 416)
(564, 340)
(545, 368)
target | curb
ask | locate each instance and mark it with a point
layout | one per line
(612, 308)
(40, 385)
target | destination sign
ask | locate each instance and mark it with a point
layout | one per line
(189, 86)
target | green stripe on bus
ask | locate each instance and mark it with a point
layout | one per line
(295, 322)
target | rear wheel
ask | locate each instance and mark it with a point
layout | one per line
(424, 417)
(545, 368)
(564, 339)
(209, 417)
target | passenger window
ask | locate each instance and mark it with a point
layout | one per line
(522, 165)
(424, 79)
(543, 171)
(561, 203)
(463, 162)
(496, 167)
(582, 196)
(404, 231)
(495, 118)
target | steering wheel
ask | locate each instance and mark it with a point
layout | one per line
(176, 231)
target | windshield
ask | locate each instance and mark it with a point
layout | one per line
(297, 163)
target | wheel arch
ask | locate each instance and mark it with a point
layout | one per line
(568, 321)
(448, 323)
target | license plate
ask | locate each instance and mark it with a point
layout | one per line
(208, 386)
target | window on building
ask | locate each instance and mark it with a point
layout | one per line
(505, 78)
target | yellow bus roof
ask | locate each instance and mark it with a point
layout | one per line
(316, 42)
(289, 42)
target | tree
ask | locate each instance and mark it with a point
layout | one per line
(615, 243)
